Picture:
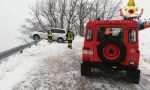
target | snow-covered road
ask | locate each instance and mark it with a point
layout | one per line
(55, 67)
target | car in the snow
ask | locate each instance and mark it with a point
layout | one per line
(117, 52)
(58, 35)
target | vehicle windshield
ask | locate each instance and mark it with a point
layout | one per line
(42, 31)
(58, 31)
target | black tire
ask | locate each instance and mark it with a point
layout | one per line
(86, 70)
(114, 41)
(60, 40)
(36, 37)
(133, 76)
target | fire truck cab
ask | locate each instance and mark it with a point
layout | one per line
(111, 45)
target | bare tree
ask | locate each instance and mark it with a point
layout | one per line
(106, 9)
(62, 10)
(84, 8)
(48, 11)
(70, 13)
(37, 15)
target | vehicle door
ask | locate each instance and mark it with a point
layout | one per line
(62, 34)
(43, 34)
(132, 46)
(115, 31)
(55, 33)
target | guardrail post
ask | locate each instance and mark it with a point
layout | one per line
(21, 51)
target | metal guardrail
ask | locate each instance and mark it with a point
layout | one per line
(12, 51)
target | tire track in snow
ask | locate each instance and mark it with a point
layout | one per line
(62, 72)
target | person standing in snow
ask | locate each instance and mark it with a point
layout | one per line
(50, 36)
(69, 38)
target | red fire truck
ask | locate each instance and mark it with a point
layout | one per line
(111, 46)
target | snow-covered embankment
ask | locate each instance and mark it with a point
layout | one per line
(52, 66)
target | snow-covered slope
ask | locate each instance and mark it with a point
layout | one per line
(144, 37)
(52, 66)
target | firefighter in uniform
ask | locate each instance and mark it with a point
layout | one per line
(50, 35)
(108, 31)
(69, 38)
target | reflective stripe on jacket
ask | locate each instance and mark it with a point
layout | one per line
(70, 36)
(50, 33)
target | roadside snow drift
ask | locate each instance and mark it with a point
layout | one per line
(52, 66)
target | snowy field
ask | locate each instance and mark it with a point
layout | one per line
(52, 66)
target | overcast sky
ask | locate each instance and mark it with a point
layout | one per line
(12, 15)
(14, 12)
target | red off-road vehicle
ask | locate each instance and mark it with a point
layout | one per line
(111, 53)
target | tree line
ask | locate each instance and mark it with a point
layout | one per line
(69, 14)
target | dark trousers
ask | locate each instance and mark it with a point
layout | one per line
(49, 38)
(70, 44)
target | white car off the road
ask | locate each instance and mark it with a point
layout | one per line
(59, 35)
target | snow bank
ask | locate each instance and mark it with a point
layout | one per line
(144, 39)
(61, 71)
(52, 66)
(17, 67)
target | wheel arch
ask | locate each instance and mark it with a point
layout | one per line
(60, 38)
(36, 35)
